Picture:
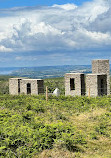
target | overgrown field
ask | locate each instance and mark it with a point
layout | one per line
(63, 127)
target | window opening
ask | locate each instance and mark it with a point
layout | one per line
(28, 88)
(19, 86)
(72, 84)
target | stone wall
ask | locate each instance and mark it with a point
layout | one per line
(14, 86)
(23, 86)
(93, 85)
(102, 66)
(79, 84)
(19, 86)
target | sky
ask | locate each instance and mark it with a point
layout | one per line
(54, 32)
(22, 3)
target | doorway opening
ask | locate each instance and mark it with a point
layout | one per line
(102, 87)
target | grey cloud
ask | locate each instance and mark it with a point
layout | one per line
(102, 23)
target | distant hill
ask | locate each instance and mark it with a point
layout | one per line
(44, 71)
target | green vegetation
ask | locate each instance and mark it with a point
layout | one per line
(53, 83)
(4, 86)
(63, 127)
(74, 126)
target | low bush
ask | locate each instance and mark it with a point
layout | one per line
(30, 125)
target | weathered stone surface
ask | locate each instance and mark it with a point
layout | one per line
(93, 85)
(102, 66)
(20, 86)
(23, 86)
(14, 86)
(79, 84)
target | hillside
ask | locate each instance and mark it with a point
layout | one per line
(65, 127)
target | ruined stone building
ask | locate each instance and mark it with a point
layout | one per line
(26, 86)
(95, 84)
(76, 84)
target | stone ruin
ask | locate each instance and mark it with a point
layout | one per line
(95, 84)
(76, 84)
(26, 86)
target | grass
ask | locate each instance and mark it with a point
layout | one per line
(63, 127)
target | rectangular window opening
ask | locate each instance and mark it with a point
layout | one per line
(72, 84)
(19, 86)
(28, 88)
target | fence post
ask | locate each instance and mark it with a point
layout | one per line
(46, 93)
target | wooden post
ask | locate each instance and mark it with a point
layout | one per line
(46, 93)
(89, 93)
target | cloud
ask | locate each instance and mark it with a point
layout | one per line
(18, 58)
(58, 28)
(27, 36)
(65, 6)
(4, 49)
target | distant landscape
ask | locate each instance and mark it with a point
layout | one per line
(44, 71)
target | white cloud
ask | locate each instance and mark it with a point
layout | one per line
(97, 36)
(4, 49)
(66, 6)
(92, 10)
(18, 58)
(60, 27)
